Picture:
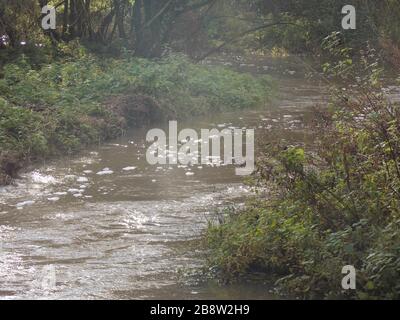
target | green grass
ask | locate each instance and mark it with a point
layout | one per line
(60, 107)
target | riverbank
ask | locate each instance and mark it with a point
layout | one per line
(135, 233)
(59, 108)
(329, 205)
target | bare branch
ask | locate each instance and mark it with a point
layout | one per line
(241, 35)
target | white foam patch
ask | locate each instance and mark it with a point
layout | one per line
(74, 190)
(24, 204)
(105, 171)
(60, 193)
(38, 177)
(129, 168)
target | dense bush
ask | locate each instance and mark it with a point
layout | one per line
(335, 204)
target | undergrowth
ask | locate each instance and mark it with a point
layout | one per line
(333, 204)
(60, 107)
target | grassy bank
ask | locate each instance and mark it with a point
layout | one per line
(332, 205)
(56, 108)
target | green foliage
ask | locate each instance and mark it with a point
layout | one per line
(336, 204)
(313, 20)
(60, 107)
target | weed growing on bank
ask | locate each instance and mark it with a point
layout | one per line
(60, 107)
(336, 204)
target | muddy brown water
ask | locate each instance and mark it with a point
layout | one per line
(131, 232)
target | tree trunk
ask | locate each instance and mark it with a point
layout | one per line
(105, 24)
(147, 17)
(72, 19)
(119, 16)
(65, 20)
(137, 23)
(88, 19)
(7, 28)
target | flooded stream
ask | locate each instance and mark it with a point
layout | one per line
(110, 226)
